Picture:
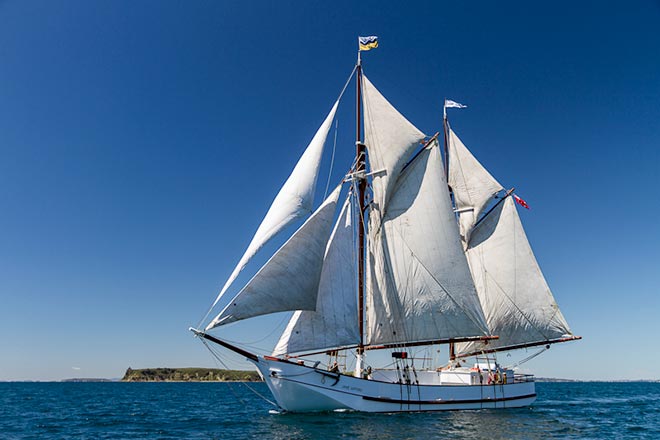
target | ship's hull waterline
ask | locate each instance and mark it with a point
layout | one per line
(301, 388)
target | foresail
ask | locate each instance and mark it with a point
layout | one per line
(290, 279)
(334, 323)
(295, 199)
(390, 140)
(471, 183)
(419, 286)
(514, 295)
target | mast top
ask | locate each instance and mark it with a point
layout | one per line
(366, 43)
(451, 104)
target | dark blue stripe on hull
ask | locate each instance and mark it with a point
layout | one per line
(445, 402)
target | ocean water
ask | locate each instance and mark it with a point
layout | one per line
(232, 411)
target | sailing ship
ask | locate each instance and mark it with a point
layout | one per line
(427, 249)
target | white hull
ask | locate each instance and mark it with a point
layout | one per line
(299, 388)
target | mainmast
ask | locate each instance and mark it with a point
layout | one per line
(452, 349)
(360, 167)
(446, 132)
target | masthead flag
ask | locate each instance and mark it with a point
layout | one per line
(521, 202)
(368, 43)
(451, 104)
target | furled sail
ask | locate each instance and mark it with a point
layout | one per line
(290, 279)
(472, 185)
(390, 140)
(419, 286)
(516, 300)
(334, 323)
(295, 199)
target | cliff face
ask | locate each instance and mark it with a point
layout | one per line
(189, 375)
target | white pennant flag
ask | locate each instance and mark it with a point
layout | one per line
(452, 104)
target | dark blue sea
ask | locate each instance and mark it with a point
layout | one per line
(232, 411)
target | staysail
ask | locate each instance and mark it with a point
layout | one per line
(290, 279)
(334, 322)
(472, 185)
(295, 199)
(390, 140)
(419, 286)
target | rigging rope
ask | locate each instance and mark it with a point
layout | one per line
(529, 358)
(221, 362)
(277, 328)
(347, 82)
(332, 159)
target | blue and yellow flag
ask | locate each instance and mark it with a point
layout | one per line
(368, 43)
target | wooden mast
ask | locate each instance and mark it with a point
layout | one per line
(452, 349)
(444, 128)
(360, 167)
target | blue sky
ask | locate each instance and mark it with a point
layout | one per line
(142, 142)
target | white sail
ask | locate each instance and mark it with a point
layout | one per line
(290, 279)
(419, 285)
(514, 295)
(334, 323)
(472, 184)
(390, 140)
(425, 280)
(295, 199)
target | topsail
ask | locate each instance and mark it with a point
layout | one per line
(390, 140)
(472, 185)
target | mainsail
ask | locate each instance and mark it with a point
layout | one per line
(516, 300)
(419, 286)
(515, 297)
(290, 279)
(334, 322)
(295, 199)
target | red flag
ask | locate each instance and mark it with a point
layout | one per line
(521, 202)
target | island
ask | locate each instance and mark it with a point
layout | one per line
(191, 374)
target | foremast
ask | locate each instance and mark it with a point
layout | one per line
(360, 168)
